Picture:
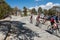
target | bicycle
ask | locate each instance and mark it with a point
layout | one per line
(52, 29)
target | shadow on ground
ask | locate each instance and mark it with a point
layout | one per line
(50, 32)
(17, 28)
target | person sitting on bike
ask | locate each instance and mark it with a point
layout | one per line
(44, 20)
(53, 23)
(52, 20)
(37, 20)
(56, 22)
(56, 18)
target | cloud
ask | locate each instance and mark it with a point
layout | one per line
(37, 0)
(46, 6)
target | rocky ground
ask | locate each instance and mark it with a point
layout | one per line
(20, 28)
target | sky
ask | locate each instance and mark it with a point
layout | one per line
(45, 4)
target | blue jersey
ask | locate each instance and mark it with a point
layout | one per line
(55, 17)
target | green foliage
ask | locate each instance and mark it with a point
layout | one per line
(34, 11)
(25, 11)
(51, 12)
(45, 12)
(39, 10)
(4, 9)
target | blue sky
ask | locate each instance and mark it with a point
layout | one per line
(30, 3)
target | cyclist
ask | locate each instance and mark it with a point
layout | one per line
(54, 24)
(37, 20)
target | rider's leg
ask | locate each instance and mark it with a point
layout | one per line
(58, 29)
(31, 21)
(36, 23)
(52, 27)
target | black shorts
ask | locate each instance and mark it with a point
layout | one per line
(52, 23)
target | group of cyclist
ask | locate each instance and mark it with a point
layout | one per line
(53, 20)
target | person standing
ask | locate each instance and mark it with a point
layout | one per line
(31, 18)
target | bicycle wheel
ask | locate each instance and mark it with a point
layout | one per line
(49, 27)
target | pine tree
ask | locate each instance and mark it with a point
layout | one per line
(4, 9)
(25, 11)
(34, 11)
(39, 10)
